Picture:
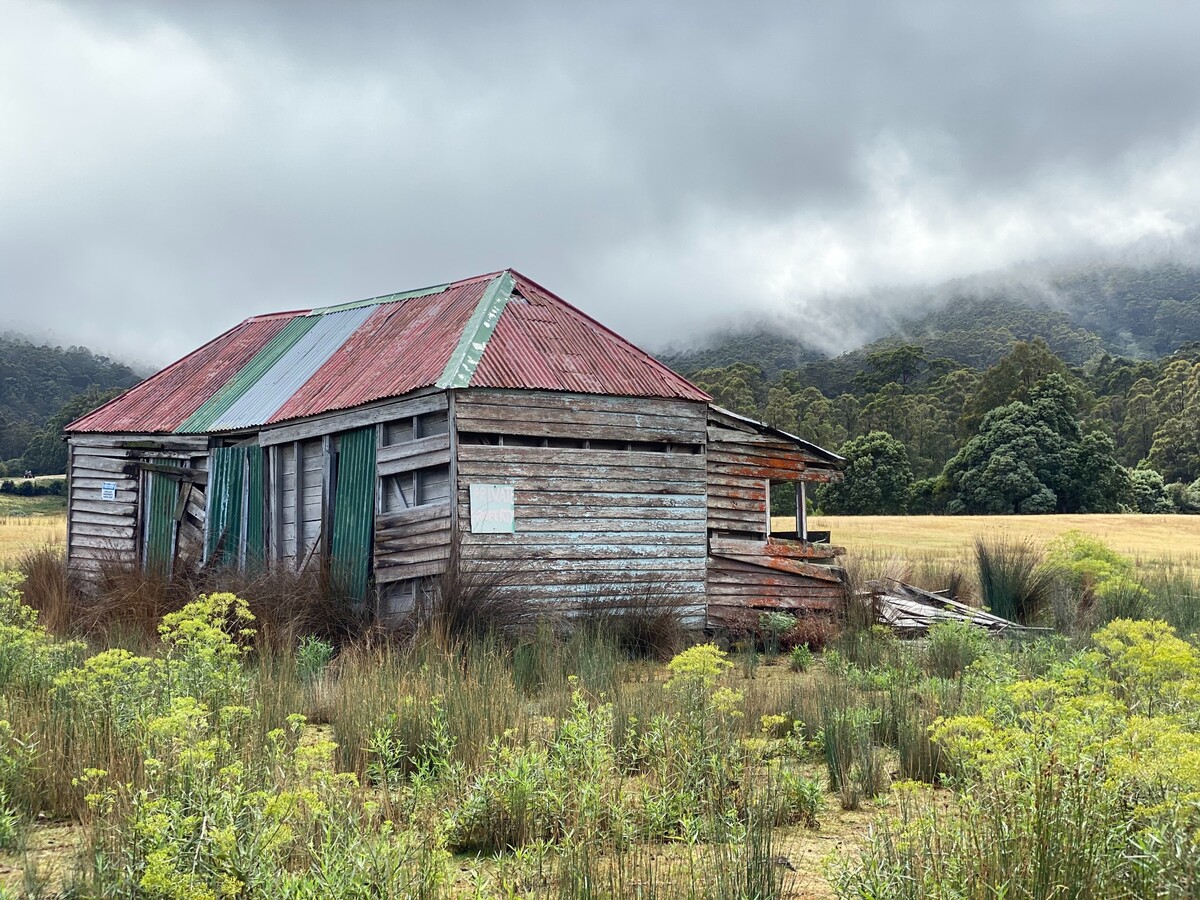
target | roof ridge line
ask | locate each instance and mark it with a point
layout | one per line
(623, 341)
(383, 298)
(464, 360)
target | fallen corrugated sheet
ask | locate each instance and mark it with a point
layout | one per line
(911, 610)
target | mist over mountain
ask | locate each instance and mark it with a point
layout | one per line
(37, 381)
(1130, 311)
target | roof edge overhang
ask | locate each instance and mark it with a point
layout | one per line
(764, 428)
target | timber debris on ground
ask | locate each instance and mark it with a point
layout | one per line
(912, 611)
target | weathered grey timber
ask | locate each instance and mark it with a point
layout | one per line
(485, 422)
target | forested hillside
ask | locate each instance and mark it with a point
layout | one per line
(37, 382)
(1002, 403)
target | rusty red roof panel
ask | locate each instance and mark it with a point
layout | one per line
(403, 346)
(542, 342)
(163, 401)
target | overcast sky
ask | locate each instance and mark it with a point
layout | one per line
(167, 169)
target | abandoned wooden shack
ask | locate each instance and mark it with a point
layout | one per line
(486, 421)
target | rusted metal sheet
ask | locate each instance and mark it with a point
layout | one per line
(163, 401)
(401, 347)
(278, 384)
(543, 342)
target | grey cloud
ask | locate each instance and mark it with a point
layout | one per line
(663, 166)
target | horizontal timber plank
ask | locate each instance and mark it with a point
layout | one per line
(101, 543)
(95, 518)
(104, 507)
(648, 537)
(530, 482)
(405, 557)
(580, 467)
(144, 442)
(418, 461)
(580, 431)
(413, 528)
(481, 453)
(82, 453)
(390, 574)
(572, 499)
(472, 399)
(332, 423)
(548, 553)
(775, 547)
(102, 530)
(527, 526)
(415, 514)
(413, 448)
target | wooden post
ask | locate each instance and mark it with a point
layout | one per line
(328, 489)
(275, 499)
(298, 504)
(767, 494)
(801, 511)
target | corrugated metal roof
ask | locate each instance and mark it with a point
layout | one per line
(402, 347)
(546, 343)
(298, 363)
(163, 401)
(496, 330)
(203, 419)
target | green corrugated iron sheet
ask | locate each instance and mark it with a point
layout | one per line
(252, 511)
(354, 512)
(226, 477)
(465, 359)
(159, 551)
(202, 419)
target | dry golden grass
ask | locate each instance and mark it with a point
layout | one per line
(1154, 542)
(21, 533)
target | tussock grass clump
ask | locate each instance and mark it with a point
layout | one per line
(646, 620)
(466, 604)
(952, 646)
(1013, 583)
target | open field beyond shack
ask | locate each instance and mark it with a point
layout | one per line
(1154, 542)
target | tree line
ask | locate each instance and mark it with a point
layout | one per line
(42, 388)
(1030, 433)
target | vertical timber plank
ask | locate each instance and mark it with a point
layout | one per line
(327, 495)
(298, 504)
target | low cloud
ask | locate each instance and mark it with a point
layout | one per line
(171, 169)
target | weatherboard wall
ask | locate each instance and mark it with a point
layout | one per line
(608, 496)
(110, 526)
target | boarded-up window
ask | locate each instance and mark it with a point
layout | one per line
(417, 488)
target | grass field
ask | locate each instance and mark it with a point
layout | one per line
(1154, 542)
(28, 522)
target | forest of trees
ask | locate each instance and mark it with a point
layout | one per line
(43, 388)
(1028, 434)
(994, 405)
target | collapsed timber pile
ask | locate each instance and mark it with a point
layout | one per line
(911, 611)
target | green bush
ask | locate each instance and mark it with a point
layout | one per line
(952, 646)
(800, 659)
